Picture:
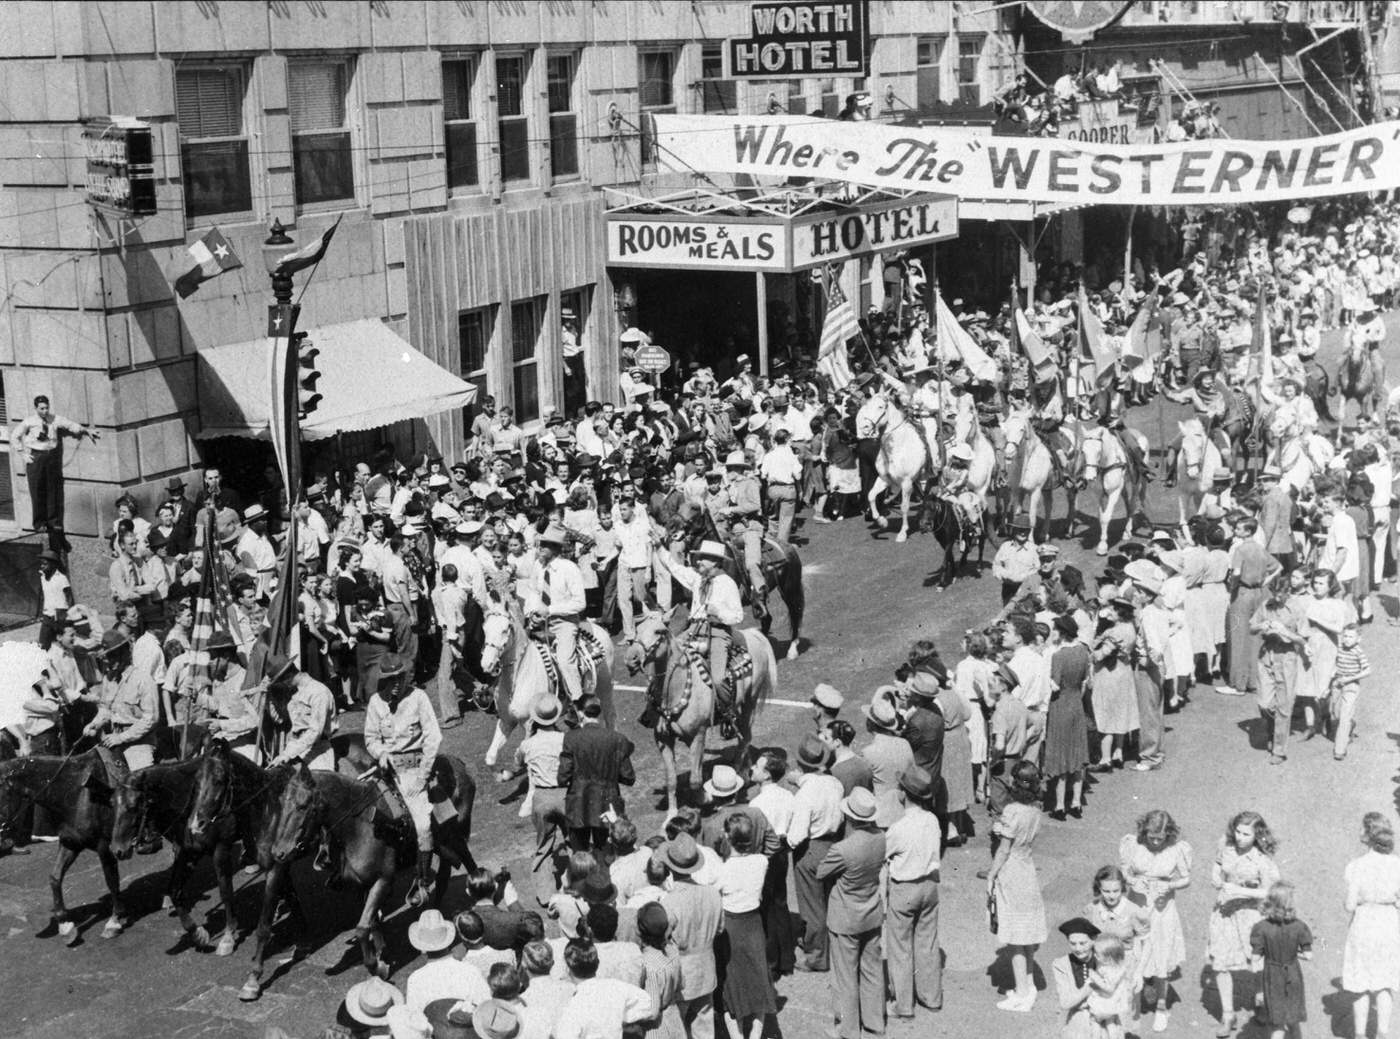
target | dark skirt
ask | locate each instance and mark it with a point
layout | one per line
(742, 959)
(1066, 736)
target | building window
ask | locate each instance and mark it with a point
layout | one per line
(321, 152)
(969, 65)
(563, 120)
(797, 101)
(474, 337)
(459, 120)
(657, 95)
(512, 124)
(526, 322)
(831, 100)
(717, 94)
(573, 318)
(928, 72)
(213, 141)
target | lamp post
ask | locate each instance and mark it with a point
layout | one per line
(278, 246)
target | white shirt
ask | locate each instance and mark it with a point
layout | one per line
(913, 844)
(776, 804)
(816, 808)
(55, 591)
(780, 465)
(740, 882)
(561, 582)
(599, 1009)
(634, 539)
(446, 978)
(470, 576)
(1341, 535)
(717, 596)
(1033, 678)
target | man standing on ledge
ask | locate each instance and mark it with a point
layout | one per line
(40, 437)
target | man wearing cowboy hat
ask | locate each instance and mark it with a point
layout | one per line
(128, 704)
(1155, 624)
(223, 706)
(1016, 560)
(557, 597)
(724, 789)
(310, 709)
(854, 917)
(254, 551)
(924, 726)
(954, 487)
(739, 508)
(716, 610)
(183, 512)
(913, 846)
(816, 820)
(538, 755)
(442, 977)
(888, 752)
(402, 734)
(367, 1005)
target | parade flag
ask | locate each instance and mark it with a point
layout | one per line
(312, 252)
(838, 329)
(210, 256)
(211, 605)
(1042, 361)
(954, 341)
(1095, 341)
(1263, 341)
(1144, 339)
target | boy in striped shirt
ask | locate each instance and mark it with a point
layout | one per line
(1352, 667)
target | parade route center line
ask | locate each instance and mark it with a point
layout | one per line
(767, 703)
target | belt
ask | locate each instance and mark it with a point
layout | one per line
(572, 618)
(408, 757)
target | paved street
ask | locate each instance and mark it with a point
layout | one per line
(868, 599)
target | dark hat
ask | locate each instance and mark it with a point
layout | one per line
(597, 888)
(682, 855)
(391, 669)
(652, 920)
(1078, 925)
(277, 667)
(155, 541)
(917, 783)
(450, 1019)
(175, 485)
(219, 641)
(1020, 525)
(113, 640)
(48, 555)
(814, 755)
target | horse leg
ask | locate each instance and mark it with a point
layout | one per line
(1108, 506)
(116, 923)
(223, 871)
(175, 892)
(366, 930)
(504, 726)
(1071, 500)
(60, 918)
(252, 987)
(666, 745)
(697, 760)
(906, 491)
(876, 489)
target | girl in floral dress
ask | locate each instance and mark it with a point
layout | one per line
(1157, 864)
(1242, 874)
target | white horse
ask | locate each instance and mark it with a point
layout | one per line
(1028, 470)
(1302, 454)
(508, 653)
(1106, 463)
(1196, 464)
(904, 455)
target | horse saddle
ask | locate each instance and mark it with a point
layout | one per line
(589, 653)
(114, 769)
(391, 819)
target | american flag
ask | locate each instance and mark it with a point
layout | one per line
(839, 328)
(211, 605)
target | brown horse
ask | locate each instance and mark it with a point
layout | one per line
(82, 797)
(369, 847)
(939, 517)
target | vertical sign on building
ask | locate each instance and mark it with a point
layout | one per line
(120, 167)
(800, 39)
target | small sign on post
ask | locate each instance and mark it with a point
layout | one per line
(652, 359)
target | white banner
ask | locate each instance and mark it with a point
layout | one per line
(940, 159)
(697, 244)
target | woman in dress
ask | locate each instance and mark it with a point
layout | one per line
(1251, 569)
(1215, 598)
(1327, 613)
(957, 763)
(1371, 956)
(1358, 507)
(1014, 886)
(1113, 912)
(1157, 863)
(1242, 874)
(1066, 728)
(1114, 695)
(970, 678)
(741, 950)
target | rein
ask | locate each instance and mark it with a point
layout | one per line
(6, 782)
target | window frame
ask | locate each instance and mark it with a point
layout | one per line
(538, 306)
(244, 73)
(712, 55)
(580, 301)
(473, 97)
(929, 70)
(646, 137)
(479, 377)
(349, 128)
(980, 42)
(572, 112)
(522, 118)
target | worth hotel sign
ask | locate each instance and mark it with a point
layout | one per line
(776, 243)
(802, 38)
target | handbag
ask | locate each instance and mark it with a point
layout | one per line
(992, 912)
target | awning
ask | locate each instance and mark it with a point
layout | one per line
(370, 377)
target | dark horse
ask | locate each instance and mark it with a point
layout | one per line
(82, 796)
(939, 516)
(369, 847)
(781, 565)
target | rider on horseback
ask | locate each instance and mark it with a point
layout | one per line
(128, 704)
(953, 485)
(716, 610)
(557, 598)
(309, 706)
(402, 734)
(739, 504)
(1209, 401)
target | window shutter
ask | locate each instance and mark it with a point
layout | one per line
(209, 102)
(316, 96)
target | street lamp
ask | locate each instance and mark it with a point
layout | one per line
(278, 247)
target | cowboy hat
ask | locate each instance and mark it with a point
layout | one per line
(1222, 475)
(757, 421)
(175, 485)
(961, 453)
(1020, 525)
(736, 460)
(431, 932)
(114, 640)
(923, 684)
(682, 855)
(546, 712)
(859, 805)
(276, 667)
(226, 526)
(710, 550)
(917, 783)
(496, 1019)
(556, 537)
(881, 713)
(253, 513)
(812, 754)
(369, 1001)
(724, 782)
(468, 528)
(48, 555)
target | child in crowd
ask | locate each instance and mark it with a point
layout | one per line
(1279, 942)
(1352, 667)
(1111, 992)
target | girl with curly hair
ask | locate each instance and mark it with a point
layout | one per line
(1242, 875)
(1157, 863)
(1014, 886)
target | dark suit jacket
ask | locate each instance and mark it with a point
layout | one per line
(852, 866)
(854, 772)
(924, 729)
(182, 536)
(592, 763)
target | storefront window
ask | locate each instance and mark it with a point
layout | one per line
(717, 94)
(526, 322)
(928, 72)
(969, 67)
(831, 100)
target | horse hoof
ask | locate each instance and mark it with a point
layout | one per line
(68, 931)
(902, 537)
(250, 991)
(167, 904)
(226, 945)
(504, 775)
(201, 937)
(792, 650)
(112, 928)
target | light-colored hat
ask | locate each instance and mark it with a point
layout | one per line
(546, 711)
(859, 805)
(961, 452)
(1141, 571)
(439, 480)
(736, 460)
(633, 334)
(555, 536)
(724, 782)
(469, 527)
(1171, 561)
(882, 712)
(1048, 551)
(369, 1001)
(226, 526)
(682, 855)
(431, 932)
(253, 513)
(496, 1019)
(710, 550)
(1222, 475)
(1271, 472)
(443, 511)
(827, 696)
(813, 754)
(757, 421)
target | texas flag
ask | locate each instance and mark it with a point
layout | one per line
(211, 256)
